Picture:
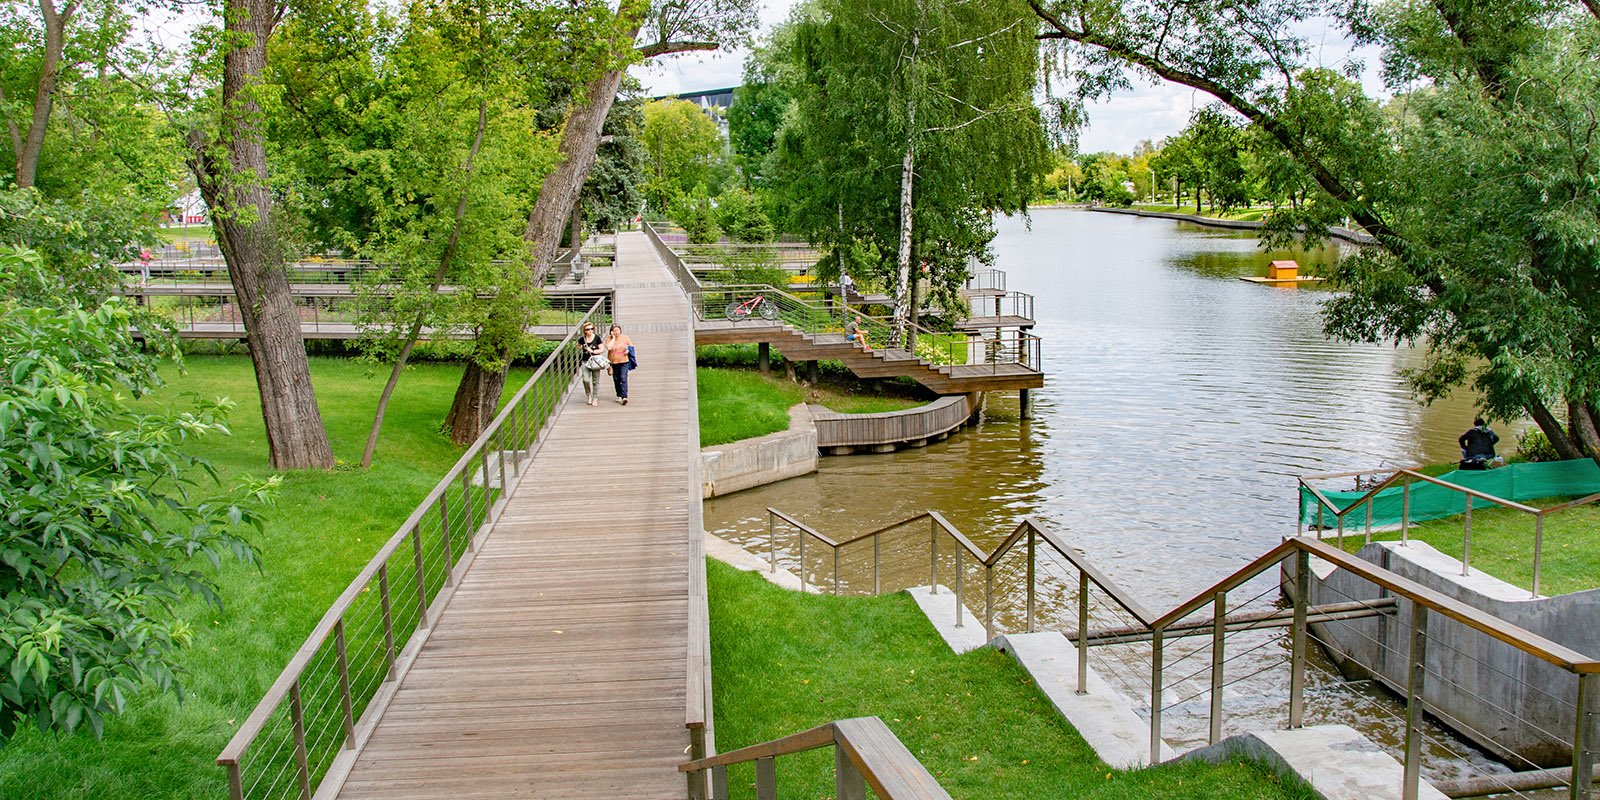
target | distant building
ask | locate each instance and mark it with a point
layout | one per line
(189, 210)
(714, 102)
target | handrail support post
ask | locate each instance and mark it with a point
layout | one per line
(1083, 632)
(1219, 628)
(1156, 658)
(1032, 554)
(1538, 551)
(1415, 673)
(1583, 739)
(847, 780)
(766, 779)
(1297, 662)
(1466, 539)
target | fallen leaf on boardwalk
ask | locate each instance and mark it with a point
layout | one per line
(558, 631)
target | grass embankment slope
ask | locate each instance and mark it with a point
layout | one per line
(323, 528)
(786, 661)
(1238, 214)
(1502, 545)
(743, 404)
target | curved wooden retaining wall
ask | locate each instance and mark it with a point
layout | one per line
(843, 434)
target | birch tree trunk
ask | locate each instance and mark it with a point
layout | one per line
(232, 175)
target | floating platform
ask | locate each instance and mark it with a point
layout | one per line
(1282, 281)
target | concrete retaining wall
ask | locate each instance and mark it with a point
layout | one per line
(1355, 237)
(1508, 702)
(728, 468)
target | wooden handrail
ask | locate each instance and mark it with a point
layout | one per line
(866, 742)
(1582, 501)
(804, 528)
(1397, 477)
(302, 657)
(961, 538)
(885, 529)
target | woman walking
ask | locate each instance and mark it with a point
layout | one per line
(594, 363)
(618, 346)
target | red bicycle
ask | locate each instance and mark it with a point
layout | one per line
(758, 306)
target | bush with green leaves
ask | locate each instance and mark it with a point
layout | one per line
(695, 213)
(1533, 445)
(741, 216)
(106, 524)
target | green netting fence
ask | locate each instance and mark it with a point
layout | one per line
(1519, 483)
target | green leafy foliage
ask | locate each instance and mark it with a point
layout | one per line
(683, 151)
(102, 513)
(741, 215)
(697, 216)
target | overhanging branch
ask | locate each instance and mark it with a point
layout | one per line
(664, 48)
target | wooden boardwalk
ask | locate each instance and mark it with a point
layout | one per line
(559, 668)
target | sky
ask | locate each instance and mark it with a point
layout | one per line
(1151, 112)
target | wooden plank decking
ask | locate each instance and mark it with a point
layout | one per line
(559, 668)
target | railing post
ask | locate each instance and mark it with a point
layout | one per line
(933, 556)
(1538, 550)
(422, 585)
(1083, 632)
(1297, 657)
(766, 779)
(1340, 537)
(388, 617)
(699, 780)
(959, 621)
(1032, 550)
(1415, 673)
(1219, 629)
(1156, 658)
(847, 781)
(877, 567)
(1370, 501)
(835, 572)
(772, 543)
(449, 546)
(236, 783)
(1583, 740)
(297, 718)
(1300, 512)
(1405, 510)
(1466, 538)
(802, 561)
(1319, 520)
(719, 783)
(344, 685)
(988, 602)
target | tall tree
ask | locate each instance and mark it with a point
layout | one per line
(683, 149)
(229, 161)
(639, 30)
(946, 90)
(1497, 289)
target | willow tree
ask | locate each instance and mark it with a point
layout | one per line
(912, 119)
(1477, 180)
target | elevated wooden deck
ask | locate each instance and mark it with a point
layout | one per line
(561, 666)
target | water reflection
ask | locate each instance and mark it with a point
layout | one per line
(1180, 403)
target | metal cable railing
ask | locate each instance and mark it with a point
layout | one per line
(1356, 611)
(324, 704)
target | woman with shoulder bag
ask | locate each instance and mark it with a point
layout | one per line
(594, 362)
(619, 353)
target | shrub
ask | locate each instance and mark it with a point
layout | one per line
(694, 213)
(741, 216)
(1533, 445)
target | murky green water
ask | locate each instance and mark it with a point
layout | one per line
(1180, 404)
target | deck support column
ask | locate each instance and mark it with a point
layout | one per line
(764, 357)
(813, 371)
(1025, 401)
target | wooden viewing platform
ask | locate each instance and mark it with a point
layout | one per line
(562, 666)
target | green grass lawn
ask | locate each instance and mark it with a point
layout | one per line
(322, 530)
(743, 404)
(784, 662)
(1502, 545)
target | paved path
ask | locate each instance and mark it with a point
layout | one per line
(558, 669)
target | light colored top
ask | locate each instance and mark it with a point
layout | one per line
(617, 348)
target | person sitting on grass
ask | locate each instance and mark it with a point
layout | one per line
(1477, 445)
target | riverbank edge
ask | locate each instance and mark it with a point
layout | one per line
(748, 463)
(1345, 234)
(1565, 619)
(1334, 761)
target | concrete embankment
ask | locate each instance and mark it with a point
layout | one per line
(1346, 234)
(1507, 701)
(747, 463)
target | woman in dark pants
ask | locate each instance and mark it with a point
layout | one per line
(617, 345)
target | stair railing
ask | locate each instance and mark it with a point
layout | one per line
(865, 754)
(1355, 610)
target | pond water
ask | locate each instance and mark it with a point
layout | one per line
(1180, 403)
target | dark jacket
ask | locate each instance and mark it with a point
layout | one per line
(1478, 442)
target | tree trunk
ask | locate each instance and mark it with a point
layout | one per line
(241, 202)
(1581, 427)
(438, 279)
(55, 39)
(575, 227)
(477, 397)
(559, 193)
(1547, 422)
